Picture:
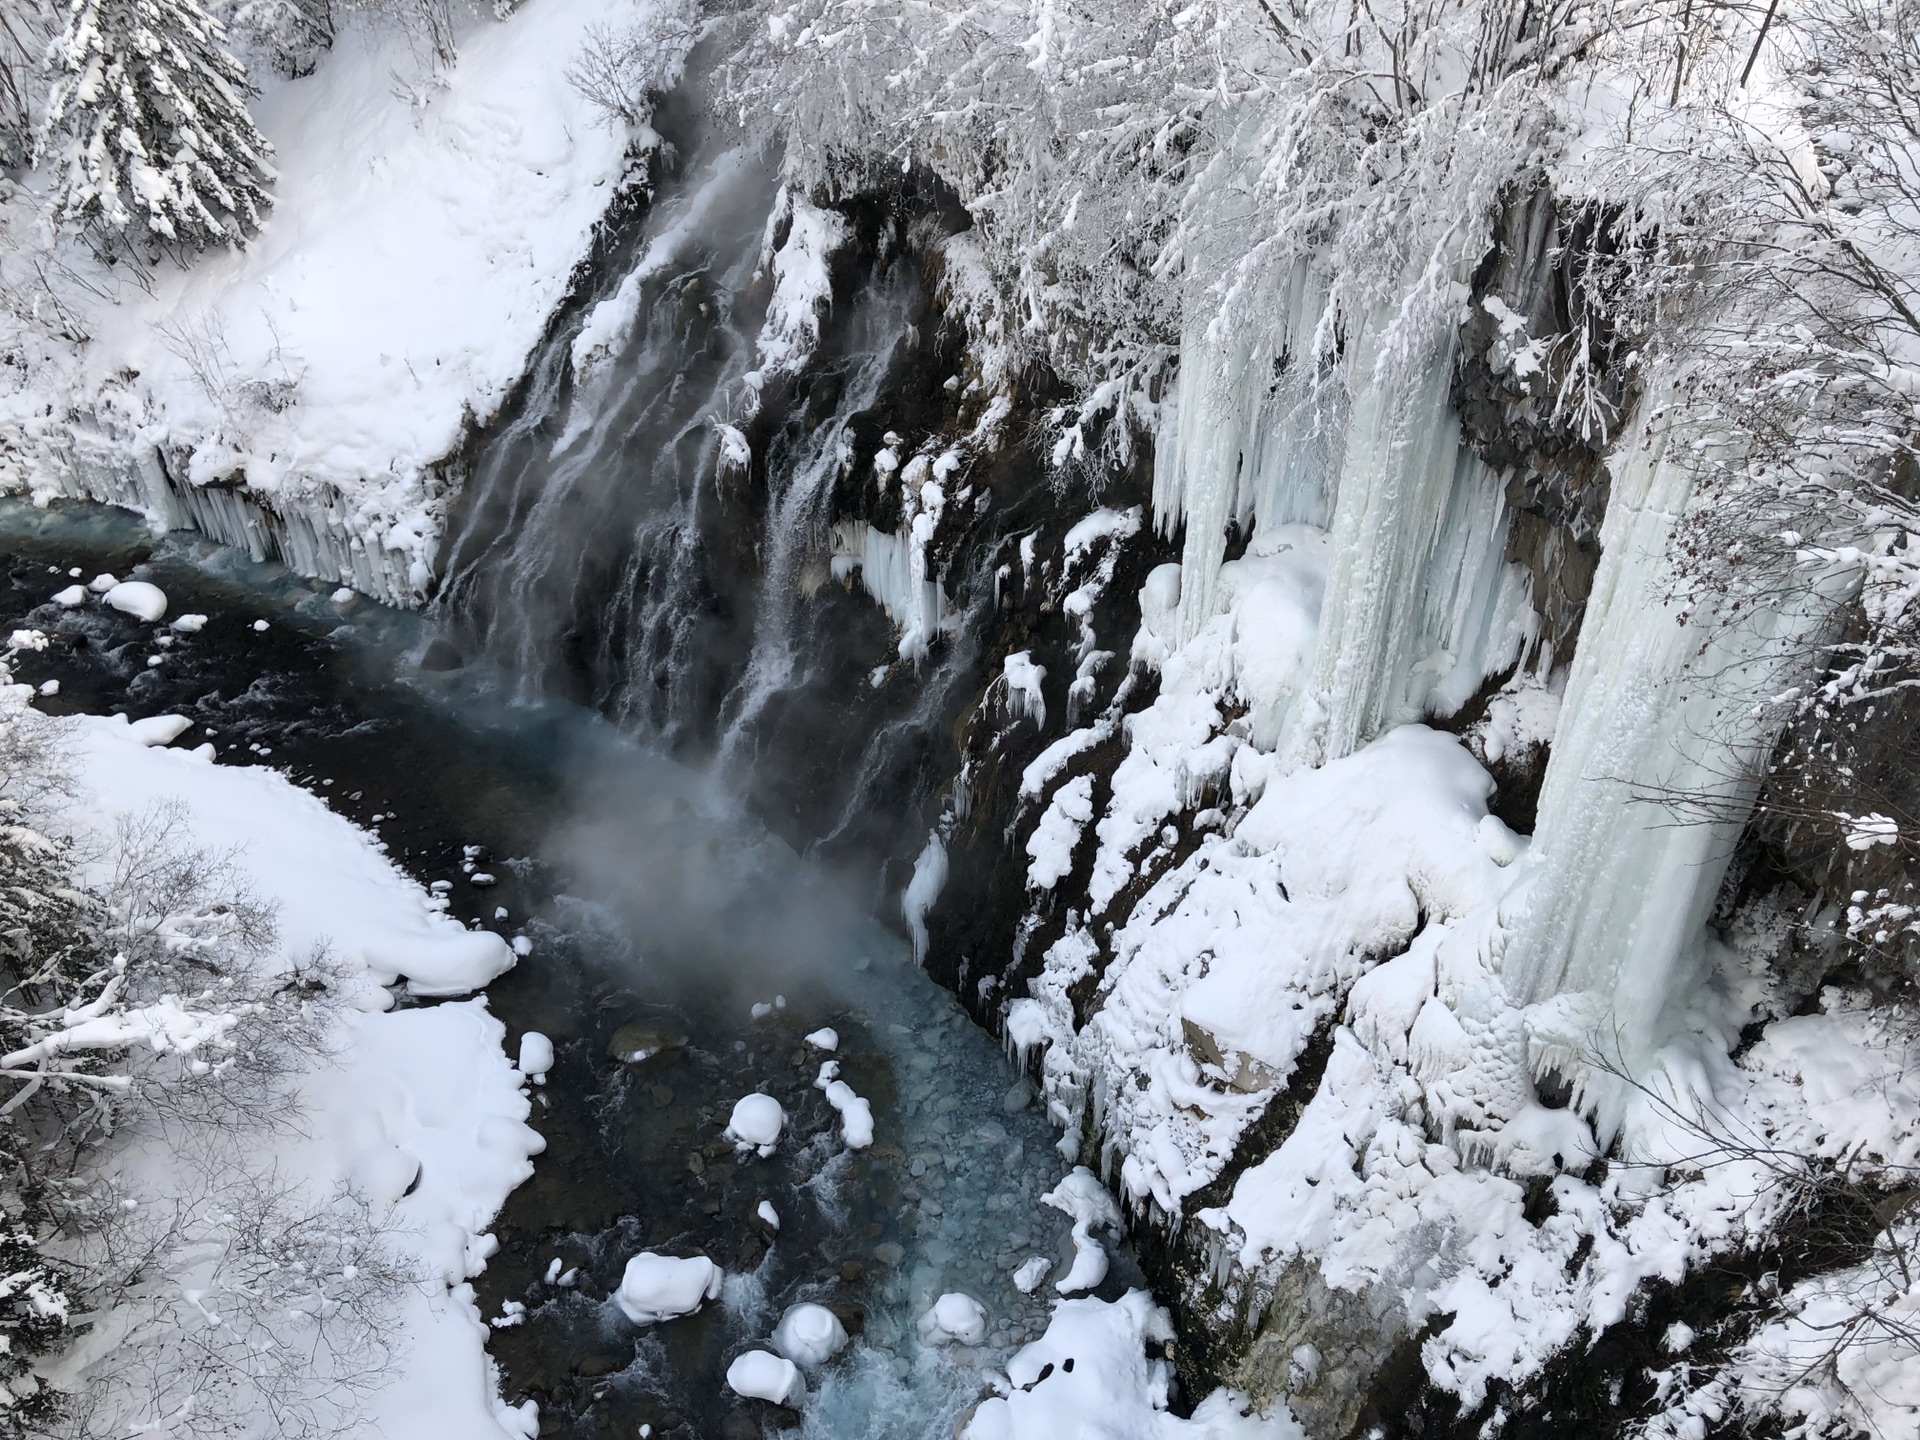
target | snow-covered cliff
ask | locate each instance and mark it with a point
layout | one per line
(1293, 589)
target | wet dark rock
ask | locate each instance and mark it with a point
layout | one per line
(635, 1044)
(852, 1318)
(441, 657)
(604, 1362)
(852, 1272)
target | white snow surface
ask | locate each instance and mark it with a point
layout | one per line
(424, 230)
(418, 1109)
(760, 1375)
(856, 1114)
(138, 599)
(1113, 1389)
(756, 1123)
(809, 1334)
(1086, 1202)
(1023, 679)
(1371, 900)
(536, 1055)
(954, 1319)
(664, 1287)
(330, 882)
(1032, 1274)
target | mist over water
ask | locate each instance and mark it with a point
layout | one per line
(652, 900)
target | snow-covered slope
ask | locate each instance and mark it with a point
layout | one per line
(417, 1110)
(304, 394)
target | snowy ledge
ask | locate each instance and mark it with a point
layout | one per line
(424, 233)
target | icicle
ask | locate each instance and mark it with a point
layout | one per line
(1244, 433)
(929, 879)
(1403, 459)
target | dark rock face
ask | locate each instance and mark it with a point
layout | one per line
(1540, 386)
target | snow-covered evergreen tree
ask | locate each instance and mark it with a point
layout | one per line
(147, 125)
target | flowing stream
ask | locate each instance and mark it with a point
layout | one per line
(655, 909)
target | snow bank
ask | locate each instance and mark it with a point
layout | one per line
(1090, 1375)
(664, 1287)
(331, 883)
(425, 229)
(416, 1109)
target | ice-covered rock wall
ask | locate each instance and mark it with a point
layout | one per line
(1661, 745)
(1252, 909)
(1420, 602)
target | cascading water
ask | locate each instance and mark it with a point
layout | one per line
(801, 472)
(653, 532)
(577, 563)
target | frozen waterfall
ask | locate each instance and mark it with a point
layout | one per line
(1655, 763)
(1421, 604)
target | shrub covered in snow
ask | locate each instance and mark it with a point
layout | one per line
(143, 993)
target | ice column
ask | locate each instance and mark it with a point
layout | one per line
(1420, 603)
(1654, 766)
(1270, 429)
(1250, 432)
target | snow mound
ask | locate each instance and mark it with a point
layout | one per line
(1032, 1274)
(138, 599)
(1082, 1197)
(758, 1375)
(1090, 1375)
(71, 596)
(955, 1319)
(159, 729)
(665, 1287)
(825, 1038)
(756, 1123)
(809, 1335)
(856, 1115)
(536, 1056)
